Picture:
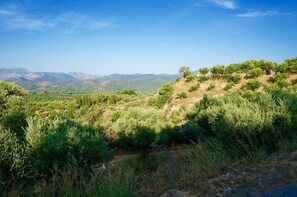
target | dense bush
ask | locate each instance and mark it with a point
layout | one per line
(253, 84)
(185, 71)
(231, 119)
(280, 76)
(163, 97)
(211, 86)
(194, 87)
(218, 69)
(12, 108)
(57, 143)
(12, 157)
(147, 120)
(182, 95)
(190, 77)
(232, 68)
(229, 86)
(201, 79)
(235, 78)
(256, 72)
(203, 71)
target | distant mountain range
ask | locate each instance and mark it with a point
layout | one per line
(22, 74)
(76, 82)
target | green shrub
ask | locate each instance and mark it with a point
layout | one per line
(185, 71)
(281, 76)
(229, 86)
(234, 118)
(256, 72)
(176, 116)
(203, 71)
(163, 97)
(235, 78)
(232, 68)
(211, 86)
(218, 69)
(201, 79)
(194, 87)
(282, 83)
(182, 95)
(12, 159)
(57, 143)
(253, 84)
(190, 77)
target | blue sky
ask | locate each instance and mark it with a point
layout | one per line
(143, 36)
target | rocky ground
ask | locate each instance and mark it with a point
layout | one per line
(276, 176)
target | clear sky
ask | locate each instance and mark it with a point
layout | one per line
(143, 36)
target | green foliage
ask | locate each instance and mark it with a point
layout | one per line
(289, 66)
(129, 92)
(163, 97)
(190, 77)
(203, 71)
(281, 76)
(229, 86)
(194, 87)
(12, 100)
(232, 68)
(256, 72)
(282, 83)
(218, 69)
(235, 78)
(234, 118)
(12, 159)
(185, 71)
(253, 84)
(249, 95)
(146, 120)
(201, 79)
(57, 143)
(211, 86)
(182, 95)
(176, 116)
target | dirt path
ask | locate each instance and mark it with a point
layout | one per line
(275, 177)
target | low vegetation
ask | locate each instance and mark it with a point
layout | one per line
(55, 144)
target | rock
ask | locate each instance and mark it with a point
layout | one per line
(175, 193)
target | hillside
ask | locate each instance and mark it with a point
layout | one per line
(184, 85)
(199, 135)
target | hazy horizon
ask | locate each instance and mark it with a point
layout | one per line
(147, 37)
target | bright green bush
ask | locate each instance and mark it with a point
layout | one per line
(57, 143)
(163, 97)
(201, 79)
(282, 83)
(232, 68)
(203, 71)
(235, 78)
(211, 86)
(190, 77)
(12, 157)
(194, 87)
(234, 118)
(218, 69)
(182, 95)
(135, 119)
(253, 84)
(256, 72)
(281, 76)
(229, 86)
(185, 71)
